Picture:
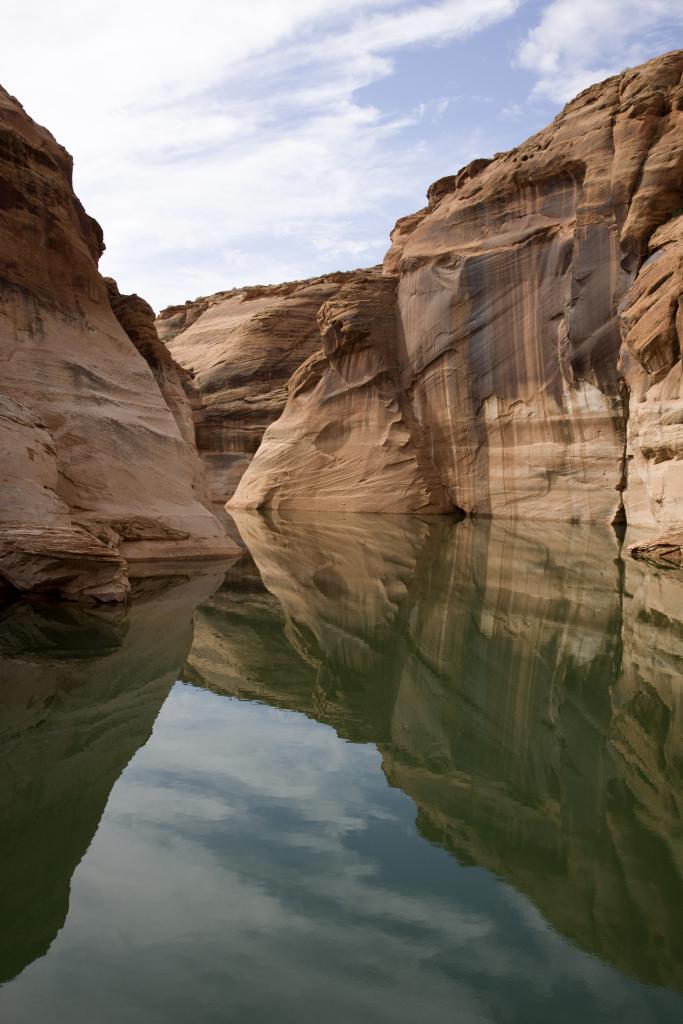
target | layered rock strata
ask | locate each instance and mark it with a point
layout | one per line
(96, 471)
(514, 291)
(240, 348)
(348, 438)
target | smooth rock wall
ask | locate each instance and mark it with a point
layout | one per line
(115, 466)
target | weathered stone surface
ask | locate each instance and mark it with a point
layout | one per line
(41, 549)
(96, 447)
(348, 438)
(241, 347)
(508, 292)
(137, 319)
(506, 333)
(651, 316)
(666, 549)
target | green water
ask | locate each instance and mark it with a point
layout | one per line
(386, 771)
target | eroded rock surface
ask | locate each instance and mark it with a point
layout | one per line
(97, 460)
(506, 334)
(651, 316)
(241, 347)
(348, 438)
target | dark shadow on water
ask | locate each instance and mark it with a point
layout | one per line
(79, 693)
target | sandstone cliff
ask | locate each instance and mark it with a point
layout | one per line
(506, 330)
(488, 377)
(651, 316)
(241, 347)
(96, 472)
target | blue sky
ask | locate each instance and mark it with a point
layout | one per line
(226, 142)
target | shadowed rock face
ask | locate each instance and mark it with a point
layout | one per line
(524, 691)
(241, 347)
(96, 457)
(488, 379)
(508, 293)
(79, 693)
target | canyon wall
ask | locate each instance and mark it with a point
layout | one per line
(651, 317)
(506, 326)
(239, 349)
(96, 471)
(523, 360)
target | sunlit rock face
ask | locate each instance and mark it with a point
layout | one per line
(508, 293)
(506, 334)
(651, 316)
(523, 690)
(348, 438)
(114, 469)
(240, 348)
(80, 692)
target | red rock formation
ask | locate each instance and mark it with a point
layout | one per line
(348, 436)
(507, 335)
(241, 348)
(651, 316)
(95, 471)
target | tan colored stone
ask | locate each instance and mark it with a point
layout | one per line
(241, 347)
(506, 333)
(348, 439)
(651, 317)
(665, 550)
(103, 443)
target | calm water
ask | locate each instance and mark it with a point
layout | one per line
(387, 771)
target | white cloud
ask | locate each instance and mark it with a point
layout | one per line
(510, 112)
(230, 141)
(577, 42)
(200, 130)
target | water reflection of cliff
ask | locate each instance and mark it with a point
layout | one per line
(79, 692)
(524, 689)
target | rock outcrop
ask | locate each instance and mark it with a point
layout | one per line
(524, 362)
(96, 472)
(651, 317)
(348, 438)
(241, 347)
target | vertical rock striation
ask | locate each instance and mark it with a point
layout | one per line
(651, 317)
(516, 288)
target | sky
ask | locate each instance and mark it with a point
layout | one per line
(230, 142)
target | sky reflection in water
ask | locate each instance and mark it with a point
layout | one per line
(520, 693)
